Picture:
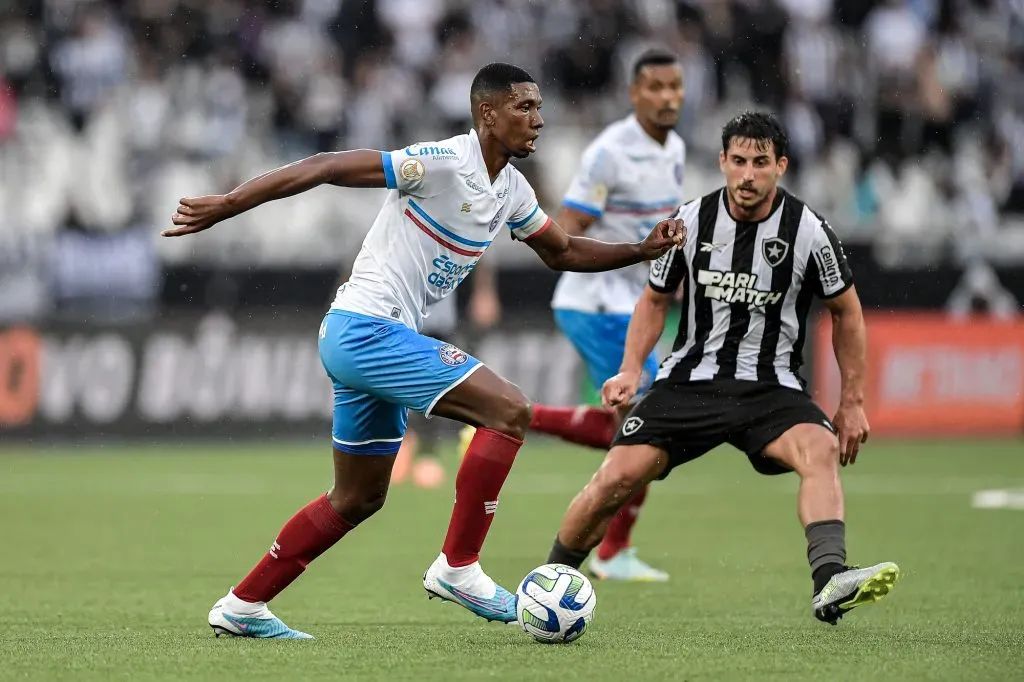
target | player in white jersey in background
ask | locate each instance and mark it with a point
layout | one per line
(630, 177)
(448, 201)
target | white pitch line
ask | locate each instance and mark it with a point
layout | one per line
(998, 499)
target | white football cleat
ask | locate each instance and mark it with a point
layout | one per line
(471, 588)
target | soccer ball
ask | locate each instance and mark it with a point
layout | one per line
(555, 603)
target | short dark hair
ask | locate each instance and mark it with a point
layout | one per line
(497, 78)
(758, 126)
(653, 57)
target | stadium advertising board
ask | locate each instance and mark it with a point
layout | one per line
(930, 375)
(210, 376)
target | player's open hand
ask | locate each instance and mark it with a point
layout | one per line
(620, 389)
(665, 235)
(196, 214)
(852, 425)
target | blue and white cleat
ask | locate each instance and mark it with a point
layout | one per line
(627, 567)
(471, 588)
(235, 618)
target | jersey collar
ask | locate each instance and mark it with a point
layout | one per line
(647, 139)
(481, 166)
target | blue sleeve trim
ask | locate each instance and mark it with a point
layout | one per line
(389, 171)
(583, 208)
(516, 224)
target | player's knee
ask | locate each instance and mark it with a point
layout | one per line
(512, 413)
(819, 454)
(615, 483)
(356, 508)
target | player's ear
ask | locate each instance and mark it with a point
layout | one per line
(487, 113)
(721, 161)
(782, 165)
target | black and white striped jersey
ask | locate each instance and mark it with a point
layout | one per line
(747, 289)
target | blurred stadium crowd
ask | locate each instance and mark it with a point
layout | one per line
(906, 117)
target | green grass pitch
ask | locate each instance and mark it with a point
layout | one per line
(112, 556)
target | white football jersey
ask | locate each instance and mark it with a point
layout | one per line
(440, 216)
(629, 183)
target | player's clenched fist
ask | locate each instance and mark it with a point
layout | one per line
(665, 235)
(620, 389)
(199, 213)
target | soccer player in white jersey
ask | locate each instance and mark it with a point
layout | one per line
(631, 176)
(448, 201)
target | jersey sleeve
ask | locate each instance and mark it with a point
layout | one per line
(588, 192)
(831, 271)
(668, 272)
(527, 219)
(423, 170)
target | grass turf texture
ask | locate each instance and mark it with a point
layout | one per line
(112, 557)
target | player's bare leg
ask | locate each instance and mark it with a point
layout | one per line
(501, 414)
(360, 488)
(616, 558)
(812, 451)
(626, 470)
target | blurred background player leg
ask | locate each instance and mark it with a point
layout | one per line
(420, 454)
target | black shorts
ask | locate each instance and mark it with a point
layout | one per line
(689, 419)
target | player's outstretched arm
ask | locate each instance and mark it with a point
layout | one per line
(645, 328)
(559, 251)
(849, 340)
(357, 168)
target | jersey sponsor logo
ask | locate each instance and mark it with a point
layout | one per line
(447, 273)
(828, 266)
(411, 170)
(708, 247)
(466, 207)
(660, 267)
(735, 287)
(774, 250)
(435, 153)
(632, 425)
(474, 186)
(452, 356)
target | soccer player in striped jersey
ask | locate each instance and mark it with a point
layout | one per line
(756, 258)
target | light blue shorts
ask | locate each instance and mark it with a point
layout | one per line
(600, 339)
(381, 369)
